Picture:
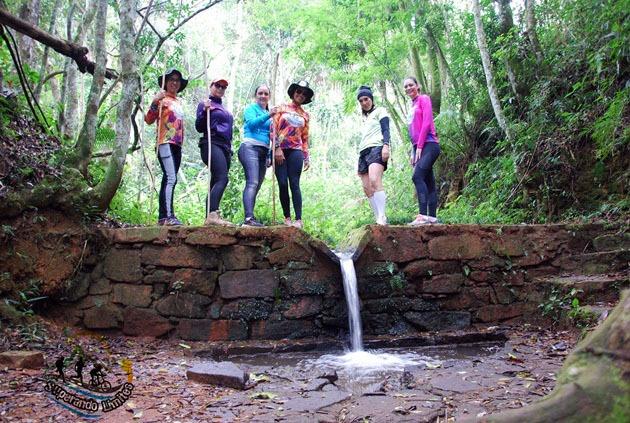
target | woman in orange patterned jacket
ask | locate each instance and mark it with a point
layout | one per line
(289, 134)
(170, 137)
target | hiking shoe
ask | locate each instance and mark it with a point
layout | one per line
(381, 220)
(162, 221)
(250, 221)
(214, 218)
(423, 220)
(172, 221)
(287, 221)
(298, 224)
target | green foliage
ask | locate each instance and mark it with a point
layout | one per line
(609, 132)
(26, 297)
(561, 304)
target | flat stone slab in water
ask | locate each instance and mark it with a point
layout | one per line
(222, 373)
(22, 359)
(454, 383)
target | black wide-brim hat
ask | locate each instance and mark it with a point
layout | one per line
(304, 85)
(169, 73)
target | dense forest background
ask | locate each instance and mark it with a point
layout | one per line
(531, 102)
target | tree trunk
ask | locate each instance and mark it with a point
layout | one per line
(72, 90)
(130, 84)
(435, 87)
(487, 68)
(44, 64)
(530, 27)
(507, 24)
(593, 382)
(29, 12)
(88, 130)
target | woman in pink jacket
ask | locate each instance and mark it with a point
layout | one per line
(426, 149)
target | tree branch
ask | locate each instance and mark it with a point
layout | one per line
(67, 48)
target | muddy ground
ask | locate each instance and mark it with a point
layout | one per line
(458, 381)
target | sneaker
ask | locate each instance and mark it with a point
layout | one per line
(298, 224)
(287, 221)
(172, 221)
(381, 220)
(214, 218)
(162, 221)
(250, 221)
(422, 220)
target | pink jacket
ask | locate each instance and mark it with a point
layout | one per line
(421, 125)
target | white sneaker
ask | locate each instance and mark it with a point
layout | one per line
(214, 218)
(287, 221)
(298, 224)
(381, 220)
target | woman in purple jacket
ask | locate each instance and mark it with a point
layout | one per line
(221, 121)
(426, 149)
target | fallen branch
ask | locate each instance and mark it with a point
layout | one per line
(74, 51)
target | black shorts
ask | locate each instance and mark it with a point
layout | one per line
(368, 156)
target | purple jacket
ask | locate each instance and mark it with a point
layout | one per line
(221, 122)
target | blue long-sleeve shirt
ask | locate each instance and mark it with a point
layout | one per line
(221, 121)
(256, 124)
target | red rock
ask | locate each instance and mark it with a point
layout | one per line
(248, 283)
(196, 281)
(134, 235)
(292, 252)
(427, 268)
(303, 307)
(132, 295)
(144, 322)
(107, 316)
(123, 265)
(223, 373)
(497, 312)
(239, 257)
(465, 246)
(282, 329)
(21, 359)
(443, 284)
(183, 304)
(398, 244)
(211, 330)
(179, 256)
(213, 236)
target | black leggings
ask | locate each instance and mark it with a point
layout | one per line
(219, 167)
(288, 174)
(170, 157)
(424, 180)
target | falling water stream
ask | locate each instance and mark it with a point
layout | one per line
(357, 361)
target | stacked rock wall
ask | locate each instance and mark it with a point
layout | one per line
(215, 283)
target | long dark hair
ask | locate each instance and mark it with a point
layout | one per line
(268, 89)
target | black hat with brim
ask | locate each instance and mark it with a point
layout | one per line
(304, 85)
(168, 74)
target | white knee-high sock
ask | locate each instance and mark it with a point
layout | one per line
(373, 205)
(379, 202)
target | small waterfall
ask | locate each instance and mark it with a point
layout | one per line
(352, 300)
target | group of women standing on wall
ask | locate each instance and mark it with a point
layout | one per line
(283, 132)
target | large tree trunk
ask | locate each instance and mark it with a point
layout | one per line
(72, 89)
(130, 84)
(593, 383)
(507, 24)
(83, 152)
(29, 12)
(530, 27)
(487, 68)
(435, 87)
(44, 64)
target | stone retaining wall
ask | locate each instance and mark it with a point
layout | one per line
(201, 283)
